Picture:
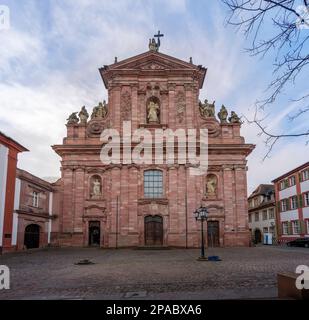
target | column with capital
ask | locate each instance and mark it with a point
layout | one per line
(67, 217)
(79, 200)
(115, 207)
(229, 205)
(171, 106)
(242, 226)
(189, 106)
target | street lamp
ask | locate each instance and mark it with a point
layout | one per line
(201, 214)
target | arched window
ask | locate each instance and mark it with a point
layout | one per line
(153, 184)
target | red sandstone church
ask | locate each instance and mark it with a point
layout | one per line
(132, 205)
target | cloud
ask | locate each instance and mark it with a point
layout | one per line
(49, 64)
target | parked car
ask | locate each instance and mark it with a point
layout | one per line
(300, 242)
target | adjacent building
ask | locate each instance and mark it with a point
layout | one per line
(33, 212)
(262, 213)
(292, 198)
(9, 150)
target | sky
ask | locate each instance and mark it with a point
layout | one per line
(50, 55)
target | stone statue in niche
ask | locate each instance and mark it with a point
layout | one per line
(207, 109)
(96, 188)
(83, 115)
(153, 111)
(73, 119)
(211, 185)
(222, 114)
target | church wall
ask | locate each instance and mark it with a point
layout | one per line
(121, 209)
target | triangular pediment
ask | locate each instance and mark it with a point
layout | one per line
(152, 61)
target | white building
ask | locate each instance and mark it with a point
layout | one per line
(262, 212)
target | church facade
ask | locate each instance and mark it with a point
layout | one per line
(137, 204)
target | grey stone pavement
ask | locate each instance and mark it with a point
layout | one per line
(243, 273)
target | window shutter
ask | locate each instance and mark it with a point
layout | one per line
(278, 207)
(300, 201)
(297, 203)
(279, 229)
(290, 230)
(302, 226)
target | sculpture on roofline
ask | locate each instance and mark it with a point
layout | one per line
(207, 109)
(234, 118)
(73, 119)
(222, 114)
(83, 115)
(100, 111)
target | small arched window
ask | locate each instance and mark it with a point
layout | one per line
(153, 184)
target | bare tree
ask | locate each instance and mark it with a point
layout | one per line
(284, 21)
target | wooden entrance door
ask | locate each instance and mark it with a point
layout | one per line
(153, 231)
(213, 233)
(32, 236)
(94, 233)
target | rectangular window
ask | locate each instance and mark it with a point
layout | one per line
(264, 214)
(296, 227)
(153, 184)
(307, 226)
(284, 206)
(292, 181)
(250, 217)
(271, 213)
(257, 216)
(306, 199)
(294, 202)
(285, 227)
(265, 230)
(305, 174)
(282, 185)
(35, 199)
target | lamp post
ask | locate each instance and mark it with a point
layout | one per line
(201, 214)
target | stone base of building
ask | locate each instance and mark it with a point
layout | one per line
(230, 239)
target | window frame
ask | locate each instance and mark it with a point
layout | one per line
(271, 213)
(152, 183)
(285, 227)
(35, 199)
(284, 201)
(294, 222)
(292, 202)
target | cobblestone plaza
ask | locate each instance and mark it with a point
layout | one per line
(149, 274)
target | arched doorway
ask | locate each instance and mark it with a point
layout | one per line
(153, 231)
(94, 233)
(32, 236)
(257, 236)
